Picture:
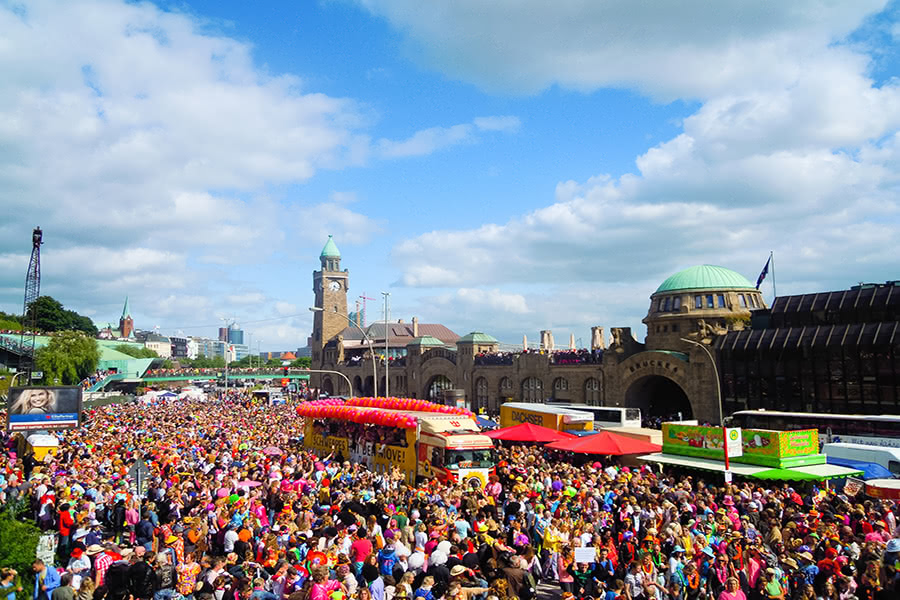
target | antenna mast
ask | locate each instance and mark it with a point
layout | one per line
(32, 293)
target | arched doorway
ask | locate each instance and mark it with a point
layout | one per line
(436, 387)
(327, 386)
(660, 397)
(369, 388)
(357, 385)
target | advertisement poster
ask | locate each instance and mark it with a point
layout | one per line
(43, 408)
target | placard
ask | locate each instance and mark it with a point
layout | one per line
(585, 555)
(852, 486)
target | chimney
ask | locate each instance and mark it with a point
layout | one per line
(415, 323)
(597, 341)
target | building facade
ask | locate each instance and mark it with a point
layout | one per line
(832, 351)
(828, 352)
(669, 373)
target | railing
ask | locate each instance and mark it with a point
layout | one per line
(439, 353)
(14, 346)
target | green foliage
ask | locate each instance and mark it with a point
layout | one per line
(136, 351)
(304, 362)
(10, 322)
(244, 362)
(202, 362)
(18, 543)
(273, 362)
(52, 316)
(70, 357)
(168, 364)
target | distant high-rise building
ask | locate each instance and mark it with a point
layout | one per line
(223, 334)
(235, 335)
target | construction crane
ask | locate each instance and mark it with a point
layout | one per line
(32, 293)
(364, 298)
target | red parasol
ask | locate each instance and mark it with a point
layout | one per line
(606, 443)
(526, 432)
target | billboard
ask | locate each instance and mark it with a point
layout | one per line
(43, 408)
(758, 447)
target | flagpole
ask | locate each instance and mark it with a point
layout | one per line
(774, 290)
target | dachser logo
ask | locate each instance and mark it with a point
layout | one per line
(521, 417)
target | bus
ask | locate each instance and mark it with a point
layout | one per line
(875, 430)
(609, 416)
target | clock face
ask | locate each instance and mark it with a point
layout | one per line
(334, 286)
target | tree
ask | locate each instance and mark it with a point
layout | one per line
(18, 541)
(52, 316)
(304, 362)
(135, 351)
(70, 357)
(273, 362)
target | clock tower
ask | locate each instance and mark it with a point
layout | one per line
(330, 285)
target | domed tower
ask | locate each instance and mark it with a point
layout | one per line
(699, 302)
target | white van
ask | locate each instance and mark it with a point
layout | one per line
(887, 457)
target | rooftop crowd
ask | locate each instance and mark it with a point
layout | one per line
(236, 510)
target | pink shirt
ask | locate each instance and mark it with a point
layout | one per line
(738, 595)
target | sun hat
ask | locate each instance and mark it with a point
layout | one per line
(893, 545)
(457, 570)
(94, 549)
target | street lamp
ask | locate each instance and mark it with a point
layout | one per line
(387, 338)
(316, 309)
(716, 371)
(719, 396)
(225, 320)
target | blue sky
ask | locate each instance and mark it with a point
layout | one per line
(506, 166)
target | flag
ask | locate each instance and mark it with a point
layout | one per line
(763, 273)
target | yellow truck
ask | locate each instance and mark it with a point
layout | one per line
(448, 447)
(553, 417)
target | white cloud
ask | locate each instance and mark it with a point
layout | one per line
(333, 217)
(683, 49)
(493, 298)
(796, 151)
(506, 123)
(247, 298)
(428, 141)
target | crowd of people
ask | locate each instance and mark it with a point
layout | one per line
(236, 509)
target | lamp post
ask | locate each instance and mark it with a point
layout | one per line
(719, 397)
(224, 320)
(316, 309)
(387, 337)
(258, 356)
(347, 379)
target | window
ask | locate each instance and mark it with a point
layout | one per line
(592, 391)
(709, 301)
(676, 303)
(698, 301)
(481, 393)
(665, 329)
(674, 327)
(560, 383)
(532, 390)
(668, 305)
(742, 301)
(662, 305)
(721, 299)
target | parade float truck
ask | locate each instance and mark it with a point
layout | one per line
(422, 439)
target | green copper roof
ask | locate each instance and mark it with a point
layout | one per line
(477, 337)
(125, 312)
(705, 277)
(426, 340)
(330, 250)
